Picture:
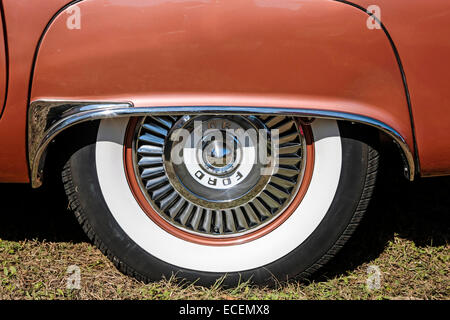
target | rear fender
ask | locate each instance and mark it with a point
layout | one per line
(309, 58)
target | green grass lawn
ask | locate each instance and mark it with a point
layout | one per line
(404, 235)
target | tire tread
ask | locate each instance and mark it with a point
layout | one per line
(366, 195)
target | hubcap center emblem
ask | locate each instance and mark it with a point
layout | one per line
(220, 157)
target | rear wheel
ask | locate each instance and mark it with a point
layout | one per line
(206, 196)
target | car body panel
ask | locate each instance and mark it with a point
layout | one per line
(315, 55)
(304, 54)
(3, 65)
(25, 21)
(421, 31)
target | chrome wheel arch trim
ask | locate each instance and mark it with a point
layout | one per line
(48, 118)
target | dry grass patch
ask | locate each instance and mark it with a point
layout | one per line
(405, 235)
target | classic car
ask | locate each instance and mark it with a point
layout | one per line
(204, 138)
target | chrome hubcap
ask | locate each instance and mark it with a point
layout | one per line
(205, 174)
(219, 158)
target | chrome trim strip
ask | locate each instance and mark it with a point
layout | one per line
(47, 119)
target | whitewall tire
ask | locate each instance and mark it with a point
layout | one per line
(344, 170)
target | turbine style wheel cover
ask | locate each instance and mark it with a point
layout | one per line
(201, 179)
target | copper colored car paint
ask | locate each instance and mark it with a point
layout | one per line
(296, 54)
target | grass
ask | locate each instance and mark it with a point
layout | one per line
(405, 235)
